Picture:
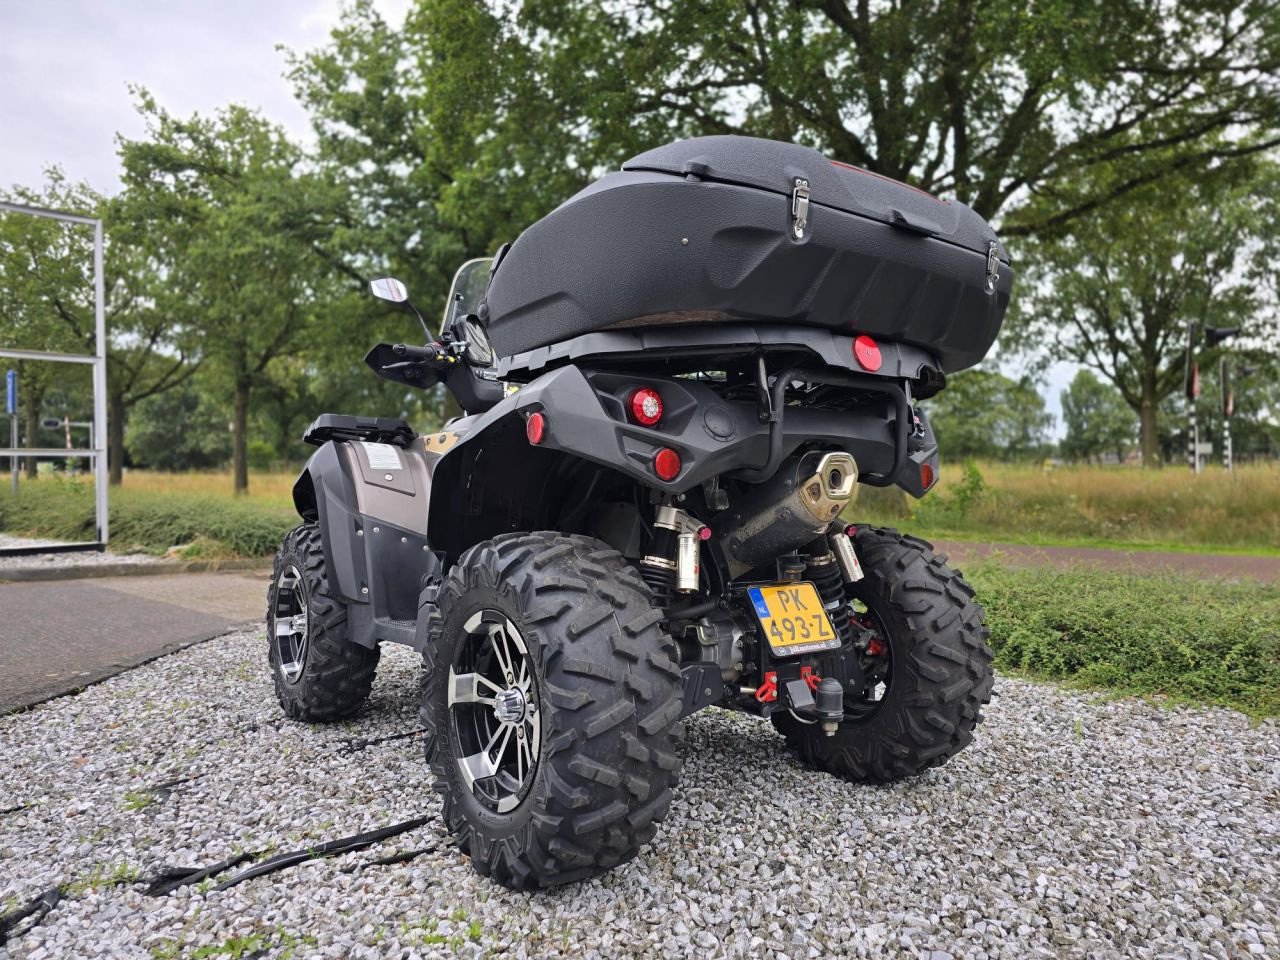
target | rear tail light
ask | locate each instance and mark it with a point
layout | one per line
(927, 476)
(645, 406)
(535, 428)
(666, 464)
(867, 352)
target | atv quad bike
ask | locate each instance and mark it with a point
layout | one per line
(673, 385)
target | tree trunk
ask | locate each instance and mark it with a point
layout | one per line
(283, 441)
(239, 438)
(1150, 430)
(115, 439)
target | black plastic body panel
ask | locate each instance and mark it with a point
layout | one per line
(585, 417)
(649, 347)
(649, 248)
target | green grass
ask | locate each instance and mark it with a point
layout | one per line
(1187, 639)
(135, 800)
(104, 876)
(1117, 507)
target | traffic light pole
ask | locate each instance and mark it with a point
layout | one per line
(1228, 408)
(1193, 451)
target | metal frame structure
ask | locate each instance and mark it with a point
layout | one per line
(98, 360)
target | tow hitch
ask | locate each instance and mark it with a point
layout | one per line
(808, 696)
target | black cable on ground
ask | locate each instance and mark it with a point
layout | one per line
(354, 746)
(404, 856)
(343, 845)
(169, 878)
(35, 910)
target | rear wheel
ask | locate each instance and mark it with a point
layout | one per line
(927, 662)
(319, 673)
(551, 701)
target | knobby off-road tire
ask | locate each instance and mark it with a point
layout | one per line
(330, 676)
(608, 703)
(940, 671)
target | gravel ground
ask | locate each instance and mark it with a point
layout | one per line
(1074, 826)
(87, 558)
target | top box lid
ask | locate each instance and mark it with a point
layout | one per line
(775, 166)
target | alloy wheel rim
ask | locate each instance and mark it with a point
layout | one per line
(495, 713)
(291, 622)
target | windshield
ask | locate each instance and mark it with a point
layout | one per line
(469, 285)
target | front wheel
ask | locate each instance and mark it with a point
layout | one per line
(551, 700)
(928, 652)
(320, 674)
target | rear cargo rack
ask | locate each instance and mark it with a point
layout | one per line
(341, 426)
(772, 405)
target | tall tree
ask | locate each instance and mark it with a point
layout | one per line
(983, 413)
(1096, 418)
(250, 224)
(989, 102)
(1118, 291)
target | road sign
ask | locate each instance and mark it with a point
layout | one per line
(11, 392)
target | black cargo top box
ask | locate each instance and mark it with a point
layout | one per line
(740, 229)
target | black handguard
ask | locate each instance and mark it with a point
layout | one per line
(421, 367)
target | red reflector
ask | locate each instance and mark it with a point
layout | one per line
(535, 428)
(866, 352)
(926, 476)
(666, 464)
(645, 406)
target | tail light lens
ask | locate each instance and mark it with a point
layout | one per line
(927, 476)
(867, 352)
(535, 428)
(666, 464)
(645, 406)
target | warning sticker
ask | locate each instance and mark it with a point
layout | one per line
(382, 456)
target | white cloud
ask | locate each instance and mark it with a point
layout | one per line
(66, 65)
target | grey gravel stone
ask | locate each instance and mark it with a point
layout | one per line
(87, 558)
(1137, 831)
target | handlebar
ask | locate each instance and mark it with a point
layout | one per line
(431, 351)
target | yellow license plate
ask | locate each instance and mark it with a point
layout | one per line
(792, 618)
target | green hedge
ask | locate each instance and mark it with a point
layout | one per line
(1203, 641)
(148, 521)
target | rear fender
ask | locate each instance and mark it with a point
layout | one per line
(372, 521)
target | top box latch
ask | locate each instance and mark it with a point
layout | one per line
(799, 208)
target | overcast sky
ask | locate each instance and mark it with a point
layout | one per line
(66, 65)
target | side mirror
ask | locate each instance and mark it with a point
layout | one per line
(479, 350)
(389, 288)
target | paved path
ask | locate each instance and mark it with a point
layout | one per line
(1228, 566)
(58, 636)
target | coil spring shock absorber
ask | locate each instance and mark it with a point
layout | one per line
(823, 572)
(660, 575)
(671, 565)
